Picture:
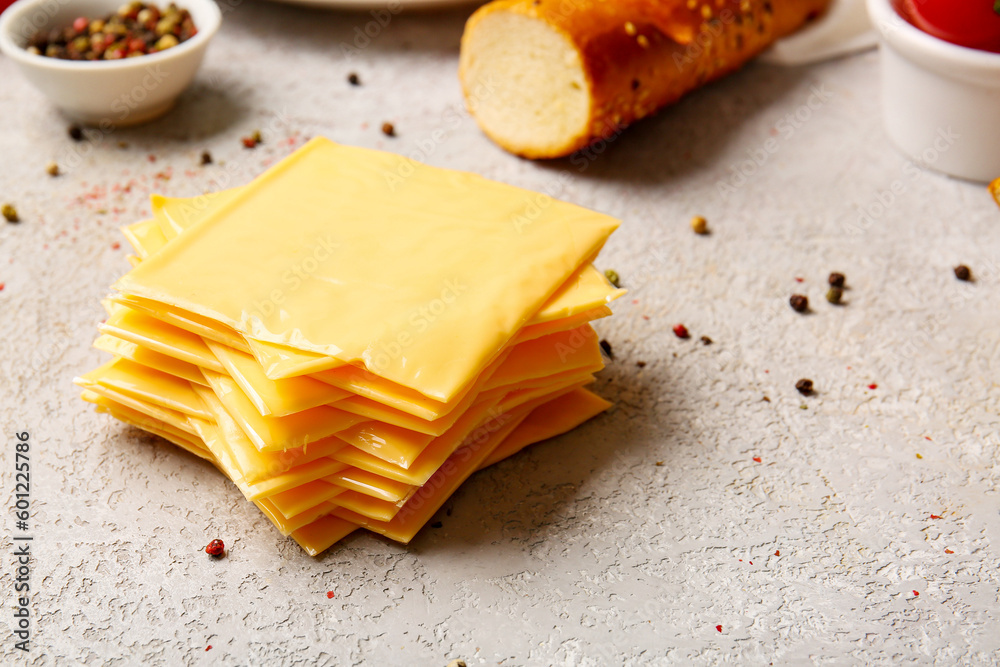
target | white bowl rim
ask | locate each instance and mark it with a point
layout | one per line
(206, 30)
(900, 33)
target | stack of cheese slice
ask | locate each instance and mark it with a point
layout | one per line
(353, 334)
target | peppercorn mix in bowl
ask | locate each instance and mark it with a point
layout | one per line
(107, 64)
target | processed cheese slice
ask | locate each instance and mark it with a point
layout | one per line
(143, 355)
(174, 215)
(409, 519)
(257, 466)
(548, 355)
(556, 417)
(587, 288)
(195, 324)
(277, 433)
(277, 398)
(145, 237)
(269, 282)
(142, 421)
(141, 329)
(280, 361)
(320, 535)
(543, 422)
(151, 386)
(286, 525)
(154, 414)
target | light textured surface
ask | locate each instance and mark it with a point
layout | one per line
(581, 551)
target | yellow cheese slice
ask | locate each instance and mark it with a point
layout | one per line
(277, 398)
(141, 329)
(174, 215)
(288, 524)
(276, 433)
(586, 289)
(145, 237)
(143, 355)
(304, 497)
(151, 386)
(408, 520)
(256, 466)
(548, 355)
(157, 413)
(142, 421)
(370, 484)
(533, 331)
(554, 418)
(280, 361)
(543, 422)
(393, 444)
(269, 282)
(320, 535)
(185, 321)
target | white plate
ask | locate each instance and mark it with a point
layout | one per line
(361, 5)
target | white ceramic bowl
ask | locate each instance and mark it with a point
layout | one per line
(105, 92)
(939, 100)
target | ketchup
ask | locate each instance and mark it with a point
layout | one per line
(971, 23)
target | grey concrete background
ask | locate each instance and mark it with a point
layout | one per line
(652, 535)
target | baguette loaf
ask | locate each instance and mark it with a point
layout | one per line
(544, 78)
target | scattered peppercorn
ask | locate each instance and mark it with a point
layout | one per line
(206, 157)
(681, 331)
(388, 129)
(215, 548)
(75, 132)
(10, 213)
(836, 279)
(606, 347)
(249, 142)
(52, 169)
(436, 524)
(766, 399)
(834, 295)
(805, 386)
(640, 364)
(613, 277)
(457, 663)
(799, 303)
(705, 340)
(659, 464)
(699, 225)
(136, 29)
(353, 79)
(962, 272)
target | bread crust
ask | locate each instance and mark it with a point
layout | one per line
(641, 55)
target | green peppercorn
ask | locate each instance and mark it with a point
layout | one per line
(10, 213)
(834, 295)
(613, 278)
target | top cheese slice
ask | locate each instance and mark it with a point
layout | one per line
(419, 273)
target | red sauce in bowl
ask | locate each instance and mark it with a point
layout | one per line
(971, 23)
